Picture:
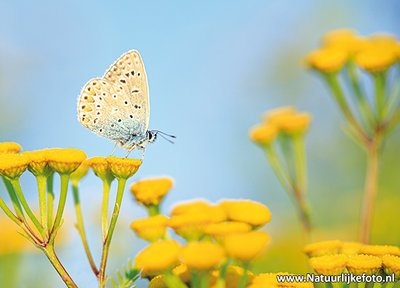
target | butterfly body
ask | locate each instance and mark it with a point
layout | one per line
(116, 106)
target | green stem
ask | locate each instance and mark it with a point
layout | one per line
(51, 255)
(81, 229)
(392, 100)
(104, 207)
(153, 210)
(61, 203)
(243, 280)
(340, 98)
(221, 282)
(14, 198)
(41, 182)
(363, 103)
(300, 162)
(50, 200)
(370, 191)
(113, 222)
(173, 281)
(17, 188)
(380, 81)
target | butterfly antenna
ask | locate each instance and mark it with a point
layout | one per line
(165, 135)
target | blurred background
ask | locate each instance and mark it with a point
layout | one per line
(213, 68)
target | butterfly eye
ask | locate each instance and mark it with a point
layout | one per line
(127, 74)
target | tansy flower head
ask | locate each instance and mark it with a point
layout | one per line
(376, 56)
(181, 271)
(65, 161)
(202, 255)
(101, 168)
(246, 246)
(226, 228)
(276, 115)
(158, 282)
(79, 173)
(350, 248)
(13, 165)
(359, 264)
(247, 211)
(296, 123)
(150, 228)
(158, 257)
(329, 264)
(323, 248)
(263, 134)
(9, 147)
(190, 207)
(38, 163)
(328, 60)
(123, 167)
(151, 191)
(233, 276)
(379, 250)
(391, 264)
(345, 40)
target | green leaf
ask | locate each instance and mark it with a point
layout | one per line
(127, 277)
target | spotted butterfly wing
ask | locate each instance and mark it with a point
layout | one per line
(128, 72)
(105, 109)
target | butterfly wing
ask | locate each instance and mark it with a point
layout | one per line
(128, 72)
(106, 110)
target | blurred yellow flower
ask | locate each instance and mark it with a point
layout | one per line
(379, 250)
(181, 271)
(350, 248)
(123, 167)
(377, 56)
(158, 257)
(226, 228)
(246, 246)
(359, 264)
(202, 255)
(296, 123)
(13, 165)
(151, 191)
(38, 162)
(323, 248)
(157, 282)
(232, 278)
(344, 39)
(263, 134)
(327, 59)
(9, 147)
(247, 211)
(391, 264)
(265, 280)
(79, 173)
(275, 116)
(65, 161)
(190, 207)
(329, 264)
(150, 228)
(101, 168)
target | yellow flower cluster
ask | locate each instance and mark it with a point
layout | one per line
(284, 120)
(374, 53)
(335, 257)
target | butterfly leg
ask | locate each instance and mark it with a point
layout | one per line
(115, 148)
(130, 150)
(143, 153)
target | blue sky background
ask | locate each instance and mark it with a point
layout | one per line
(213, 68)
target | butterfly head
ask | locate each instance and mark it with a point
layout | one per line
(152, 135)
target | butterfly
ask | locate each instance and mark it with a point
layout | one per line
(116, 106)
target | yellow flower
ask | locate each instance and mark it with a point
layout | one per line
(232, 278)
(359, 264)
(65, 161)
(265, 280)
(181, 271)
(296, 123)
(38, 163)
(101, 168)
(378, 55)
(327, 59)
(323, 248)
(350, 248)
(123, 167)
(345, 40)
(158, 257)
(157, 282)
(391, 264)
(13, 165)
(9, 147)
(189, 207)
(246, 246)
(275, 116)
(247, 211)
(191, 225)
(263, 134)
(79, 173)
(151, 191)
(379, 250)
(226, 228)
(329, 264)
(150, 228)
(202, 255)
